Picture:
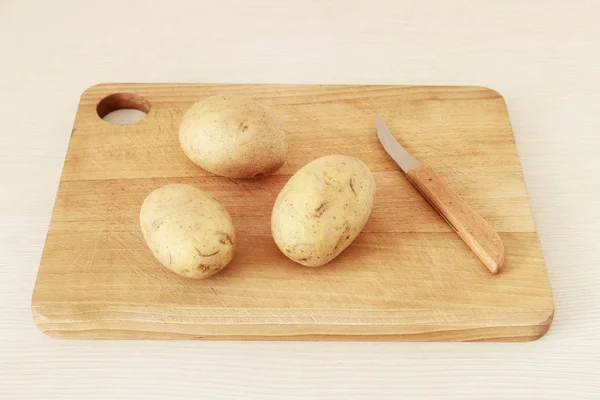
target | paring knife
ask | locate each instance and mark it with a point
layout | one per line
(470, 226)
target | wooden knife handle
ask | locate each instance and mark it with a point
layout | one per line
(470, 226)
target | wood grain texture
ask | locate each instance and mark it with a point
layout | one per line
(474, 230)
(406, 277)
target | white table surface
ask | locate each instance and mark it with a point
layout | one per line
(545, 61)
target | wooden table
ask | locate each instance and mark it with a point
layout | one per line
(543, 60)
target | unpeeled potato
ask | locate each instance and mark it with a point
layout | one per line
(187, 230)
(322, 209)
(233, 136)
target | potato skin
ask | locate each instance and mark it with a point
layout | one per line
(322, 209)
(187, 230)
(233, 136)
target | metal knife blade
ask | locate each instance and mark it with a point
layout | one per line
(394, 149)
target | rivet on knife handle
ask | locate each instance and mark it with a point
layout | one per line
(470, 226)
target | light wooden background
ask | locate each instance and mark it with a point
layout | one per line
(543, 56)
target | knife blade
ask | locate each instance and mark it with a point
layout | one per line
(477, 233)
(402, 157)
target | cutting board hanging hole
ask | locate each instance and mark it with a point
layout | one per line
(123, 108)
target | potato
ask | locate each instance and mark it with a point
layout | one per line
(187, 230)
(234, 137)
(322, 209)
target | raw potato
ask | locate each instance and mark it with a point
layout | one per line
(234, 137)
(187, 230)
(322, 209)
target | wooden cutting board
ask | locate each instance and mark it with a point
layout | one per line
(406, 277)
